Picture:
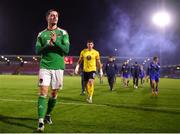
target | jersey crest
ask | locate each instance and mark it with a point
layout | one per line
(88, 57)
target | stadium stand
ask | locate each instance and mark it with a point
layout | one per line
(29, 64)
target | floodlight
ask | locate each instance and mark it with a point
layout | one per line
(161, 19)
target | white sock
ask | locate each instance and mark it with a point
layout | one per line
(41, 120)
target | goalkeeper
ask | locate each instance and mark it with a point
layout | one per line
(90, 58)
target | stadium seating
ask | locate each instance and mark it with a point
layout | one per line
(13, 64)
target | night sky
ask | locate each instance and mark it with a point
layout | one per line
(121, 25)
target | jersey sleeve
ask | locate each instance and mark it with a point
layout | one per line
(81, 54)
(39, 47)
(97, 56)
(64, 44)
(116, 68)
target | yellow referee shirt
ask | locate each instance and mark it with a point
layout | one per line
(89, 59)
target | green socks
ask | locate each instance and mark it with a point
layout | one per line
(41, 106)
(51, 104)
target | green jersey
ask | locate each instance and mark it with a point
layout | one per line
(52, 55)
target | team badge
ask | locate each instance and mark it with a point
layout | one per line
(40, 80)
(88, 57)
(59, 34)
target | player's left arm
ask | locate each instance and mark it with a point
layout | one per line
(99, 64)
(63, 44)
(116, 68)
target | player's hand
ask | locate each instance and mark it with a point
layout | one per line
(53, 36)
(100, 72)
(76, 69)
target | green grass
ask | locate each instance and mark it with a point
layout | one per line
(123, 110)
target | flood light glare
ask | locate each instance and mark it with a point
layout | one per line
(161, 19)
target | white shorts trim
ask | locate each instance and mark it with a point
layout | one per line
(53, 78)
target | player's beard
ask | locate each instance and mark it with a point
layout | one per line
(53, 25)
(54, 22)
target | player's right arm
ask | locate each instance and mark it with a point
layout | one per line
(79, 62)
(39, 46)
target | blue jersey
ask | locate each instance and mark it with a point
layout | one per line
(125, 69)
(135, 70)
(147, 71)
(142, 73)
(111, 69)
(154, 69)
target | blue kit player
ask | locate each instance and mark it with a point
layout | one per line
(111, 71)
(125, 71)
(142, 75)
(154, 73)
(135, 71)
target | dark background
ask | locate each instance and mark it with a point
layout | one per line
(118, 27)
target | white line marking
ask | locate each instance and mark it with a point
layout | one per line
(65, 103)
(98, 105)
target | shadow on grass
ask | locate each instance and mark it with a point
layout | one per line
(16, 121)
(62, 98)
(125, 90)
(145, 108)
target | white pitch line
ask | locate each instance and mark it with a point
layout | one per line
(65, 103)
(98, 105)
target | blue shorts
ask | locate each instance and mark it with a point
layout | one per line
(154, 77)
(126, 76)
(141, 76)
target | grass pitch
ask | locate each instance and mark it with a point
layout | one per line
(122, 110)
